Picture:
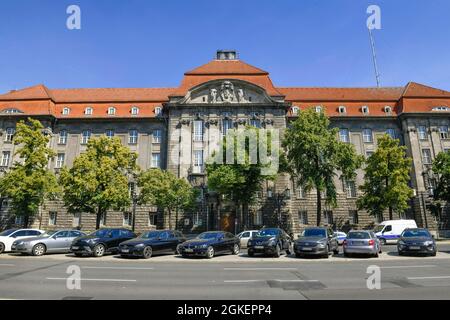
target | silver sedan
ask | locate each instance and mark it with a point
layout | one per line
(57, 241)
(361, 242)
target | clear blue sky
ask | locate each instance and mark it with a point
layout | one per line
(150, 43)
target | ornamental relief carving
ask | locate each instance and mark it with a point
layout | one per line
(227, 93)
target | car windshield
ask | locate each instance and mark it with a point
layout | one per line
(208, 235)
(7, 232)
(267, 232)
(100, 233)
(49, 233)
(314, 233)
(378, 228)
(150, 235)
(358, 235)
(415, 233)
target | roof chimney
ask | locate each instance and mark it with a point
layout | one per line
(226, 55)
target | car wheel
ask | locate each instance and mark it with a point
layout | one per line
(433, 254)
(147, 252)
(177, 250)
(210, 252)
(383, 241)
(250, 253)
(99, 250)
(2, 247)
(236, 249)
(277, 252)
(38, 250)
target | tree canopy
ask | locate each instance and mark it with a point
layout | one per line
(441, 167)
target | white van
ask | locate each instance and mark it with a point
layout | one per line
(390, 230)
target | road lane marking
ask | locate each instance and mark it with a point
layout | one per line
(106, 280)
(6, 265)
(402, 267)
(256, 269)
(261, 280)
(426, 278)
(118, 268)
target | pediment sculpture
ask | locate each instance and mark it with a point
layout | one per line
(227, 93)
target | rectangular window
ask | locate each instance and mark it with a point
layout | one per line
(5, 158)
(443, 132)
(226, 125)
(133, 137)
(258, 218)
(152, 219)
(127, 219)
(109, 133)
(391, 132)
(426, 156)
(422, 131)
(353, 216)
(367, 135)
(62, 137)
(85, 136)
(350, 189)
(328, 216)
(19, 220)
(76, 221)
(52, 218)
(198, 130)
(157, 136)
(156, 160)
(301, 192)
(303, 217)
(344, 135)
(198, 161)
(60, 159)
(9, 134)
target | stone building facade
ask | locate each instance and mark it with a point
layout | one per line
(179, 128)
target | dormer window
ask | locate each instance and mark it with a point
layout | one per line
(318, 108)
(66, 111)
(440, 108)
(365, 109)
(295, 111)
(342, 110)
(158, 111)
(134, 111)
(88, 111)
(10, 111)
(388, 109)
(111, 111)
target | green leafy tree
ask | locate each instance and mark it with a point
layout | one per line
(164, 190)
(314, 155)
(386, 179)
(29, 182)
(240, 179)
(441, 167)
(98, 180)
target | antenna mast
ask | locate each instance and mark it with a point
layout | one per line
(374, 56)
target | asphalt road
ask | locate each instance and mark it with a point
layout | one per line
(226, 277)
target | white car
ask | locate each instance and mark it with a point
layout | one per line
(341, 236)
(244, 236)
(7, 237)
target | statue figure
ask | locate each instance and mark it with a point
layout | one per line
(241, 96)
(227, 92)
(213, 95)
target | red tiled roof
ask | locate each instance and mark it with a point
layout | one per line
(226, 67)
(414, 89)
(342, 94)
(31, 93)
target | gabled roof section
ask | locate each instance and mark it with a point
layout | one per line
(417, 90)
(31, 93)
(227, 67)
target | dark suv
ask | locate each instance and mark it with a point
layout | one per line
(318, 241)
(101, 241)
(270, 241)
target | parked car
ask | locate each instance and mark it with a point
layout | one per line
(7, 237)
(150, 242)
(316, 241)
(270, 241)
(389, 231)
(244, 236)
(361, 242)
(210, 243)
(101, 241)
(416, 240)
(48, 242)
(340, 236)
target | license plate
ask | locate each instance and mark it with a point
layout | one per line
(189, 250)
(125, 250)
(306, 249)
(259, 247)
(75, 247)
(357, 243)
(414, 248)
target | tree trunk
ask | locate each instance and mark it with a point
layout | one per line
(319, 206)
(97, 220)
(170, 218)
(390, 214)
(26, 220)
(176, 219)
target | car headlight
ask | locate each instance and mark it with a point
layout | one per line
(203, 246)
(400, 242)
(139, 245)
(428, 243)
(321, 244)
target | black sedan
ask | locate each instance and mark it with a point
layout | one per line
(101, 241)
(316, 241)
(270, 241)
(150, 242)
(208, 244)
(416, 240)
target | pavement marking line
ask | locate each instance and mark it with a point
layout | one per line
(118, 268)
(6, 265)
(244, 281)
(256, 269)
(426, 278)
(403, 267)
(106, 280)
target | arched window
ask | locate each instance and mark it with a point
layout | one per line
(111, 111)
(134, 111)
(88, 111)
(66, 111)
